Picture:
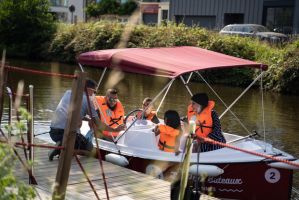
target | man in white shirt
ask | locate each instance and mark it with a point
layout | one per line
(59, 120)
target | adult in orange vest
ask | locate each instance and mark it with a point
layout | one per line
(149, 113)
(207, 122)
(111, 112)
(60, 117)
(170, 132)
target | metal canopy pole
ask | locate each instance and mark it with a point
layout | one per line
(189, 78)
(225, 103)
(263, 108)
(166, 92)
(237, 99)
(81, 67)
(186, 85)
(151, 103)
(101, 78)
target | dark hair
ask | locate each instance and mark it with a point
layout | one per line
(111, 91)
(200, 98)
(90, 84)
(147, 100)
(172, 119)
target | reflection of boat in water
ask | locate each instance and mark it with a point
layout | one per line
(231, 173)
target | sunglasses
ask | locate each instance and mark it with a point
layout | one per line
(112, 100)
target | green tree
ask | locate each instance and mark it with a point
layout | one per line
(111, 7)
(127, 8)
(92, 10)
(25, 26)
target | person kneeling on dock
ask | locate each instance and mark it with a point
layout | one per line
(207, 122)
(59, 120)
(170, 133)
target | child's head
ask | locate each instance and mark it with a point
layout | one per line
(145, 104)
(172, 119)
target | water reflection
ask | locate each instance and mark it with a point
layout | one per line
(280, 111)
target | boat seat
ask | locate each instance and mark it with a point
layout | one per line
(141, 137)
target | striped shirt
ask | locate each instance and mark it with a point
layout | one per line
(216, 135)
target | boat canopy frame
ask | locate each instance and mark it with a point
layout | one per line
(189, 73)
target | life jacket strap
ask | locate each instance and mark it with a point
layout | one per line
(115, 121)
(164, 145)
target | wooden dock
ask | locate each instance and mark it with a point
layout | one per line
(122, 183)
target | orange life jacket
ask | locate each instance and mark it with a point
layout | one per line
(167, 138)
(149, 117)
(204, 122)
(112, 118)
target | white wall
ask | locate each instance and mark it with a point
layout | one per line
(163, 6)
(79, 10)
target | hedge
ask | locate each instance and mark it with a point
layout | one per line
(282, 76)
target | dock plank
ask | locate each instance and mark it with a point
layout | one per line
(122, 183)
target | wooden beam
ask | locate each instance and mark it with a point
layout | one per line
(2, 83)
(69, 137)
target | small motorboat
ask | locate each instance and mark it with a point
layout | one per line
(229, 173)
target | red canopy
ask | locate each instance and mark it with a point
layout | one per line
(168, 62)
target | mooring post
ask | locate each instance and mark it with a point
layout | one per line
(31, 127)
(2, 83)
(69, 137)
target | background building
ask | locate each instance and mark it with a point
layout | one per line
(215, 14)
(154, 11)
(60, 9)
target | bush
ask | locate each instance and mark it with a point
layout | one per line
(10, 187)
(285, 74)
(71, 40)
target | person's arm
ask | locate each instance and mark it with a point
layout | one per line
(155, 119)
(156, 130)
(216, 133)
(100, 127)
(177, 144)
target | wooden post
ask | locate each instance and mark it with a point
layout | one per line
(31, 127)
(69, 137)
(2, 83)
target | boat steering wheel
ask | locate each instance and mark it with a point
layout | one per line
(131, 114)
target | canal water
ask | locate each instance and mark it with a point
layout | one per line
(280, 111)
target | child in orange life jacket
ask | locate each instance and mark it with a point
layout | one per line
(149, 113)
(170, 132)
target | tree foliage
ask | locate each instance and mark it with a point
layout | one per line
(25, 25)
(111, 7)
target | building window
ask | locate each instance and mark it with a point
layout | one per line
(60, 3)
(164, 14)
(279, 18)
(233, 18)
